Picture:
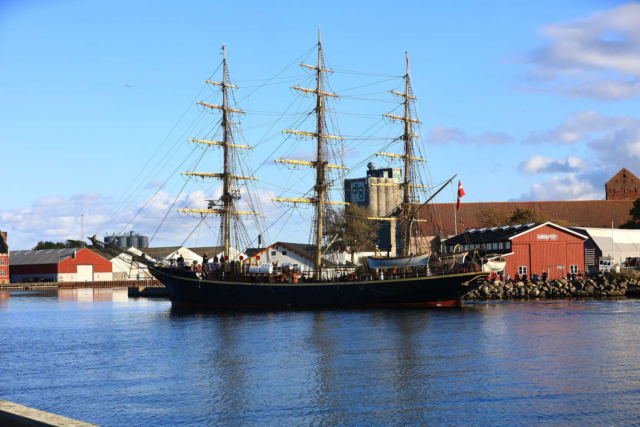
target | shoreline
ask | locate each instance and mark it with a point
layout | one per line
(557, 289)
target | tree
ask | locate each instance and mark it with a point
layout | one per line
(634, 222)
(74, 244)
(50, 245)
(526, 216)
(492, 218)
(353, 228)
(60, 245)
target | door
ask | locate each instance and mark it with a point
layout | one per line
(85, 273)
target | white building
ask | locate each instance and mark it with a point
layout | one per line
(334, 263)
(606, 242)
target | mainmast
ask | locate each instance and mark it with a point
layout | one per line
(408, 136)
(320, 164)
(226, 210)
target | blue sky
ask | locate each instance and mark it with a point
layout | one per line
(536, 99)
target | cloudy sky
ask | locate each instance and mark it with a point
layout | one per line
(523, 100)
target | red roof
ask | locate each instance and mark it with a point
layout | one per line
(582, 213)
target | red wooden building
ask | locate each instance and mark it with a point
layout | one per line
(59, 265)
(528, 248)
(4, 258)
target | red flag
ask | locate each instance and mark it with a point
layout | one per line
(461, 193)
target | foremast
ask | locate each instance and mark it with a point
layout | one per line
(320, 164)
(226, 208)
(408, 136)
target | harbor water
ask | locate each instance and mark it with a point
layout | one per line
(101, 357)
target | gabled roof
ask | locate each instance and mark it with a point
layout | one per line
(161, 252)
(302, 249)
(583, 213)
(43, 256)
(623, 175)
(501, 234)
(211, 251)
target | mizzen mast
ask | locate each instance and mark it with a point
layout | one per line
(320, 164)
(226, 204)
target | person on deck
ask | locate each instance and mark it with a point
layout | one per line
(205, 260)
(181, 261)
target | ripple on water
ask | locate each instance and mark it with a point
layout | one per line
(113, 361)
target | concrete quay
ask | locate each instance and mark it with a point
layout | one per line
(41, 286)
(13, 414)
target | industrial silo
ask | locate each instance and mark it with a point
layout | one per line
(109, 239)
(373, 197)
(132, 240)
(382, 198)
(389, 192)
(122, 241)
(143, 242)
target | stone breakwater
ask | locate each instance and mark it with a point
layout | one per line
(558, 288)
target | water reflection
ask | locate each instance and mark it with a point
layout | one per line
(498, 363)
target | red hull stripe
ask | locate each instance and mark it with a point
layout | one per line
(454, 303)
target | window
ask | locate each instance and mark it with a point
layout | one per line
(501, 245)
(273, 253)
(507, 245)
(284, 252)
(1, 261)
(522, 270)
(2, 273)
(573, 269)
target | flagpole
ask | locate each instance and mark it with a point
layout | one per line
(455, 215)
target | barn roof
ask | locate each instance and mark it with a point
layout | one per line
(42, 256)
(500, 234)
(583, 213)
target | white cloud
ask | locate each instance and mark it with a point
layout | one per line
(567, 187)
(581, 126)
(58, 219)
(612, 143)
(439, 135)
(539, 164)
(592, 57)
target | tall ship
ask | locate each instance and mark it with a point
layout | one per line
(410, 275)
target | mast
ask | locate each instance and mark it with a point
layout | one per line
(226, 210)
(407, 136)
(406, 199)
(320, 186)
(320, 164)
(226, 189)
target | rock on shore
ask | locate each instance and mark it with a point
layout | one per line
(558, 288)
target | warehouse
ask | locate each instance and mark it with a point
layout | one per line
(529, 248)
(606, 242)
(59, 265)
(4, 258)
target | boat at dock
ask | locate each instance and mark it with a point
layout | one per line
(414, 278)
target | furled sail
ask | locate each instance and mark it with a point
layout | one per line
(398, 262)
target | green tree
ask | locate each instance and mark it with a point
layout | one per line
(634, 222)
(50, 245)
(353, 228)
(75, 244)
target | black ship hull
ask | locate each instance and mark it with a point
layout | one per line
(445, 290)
